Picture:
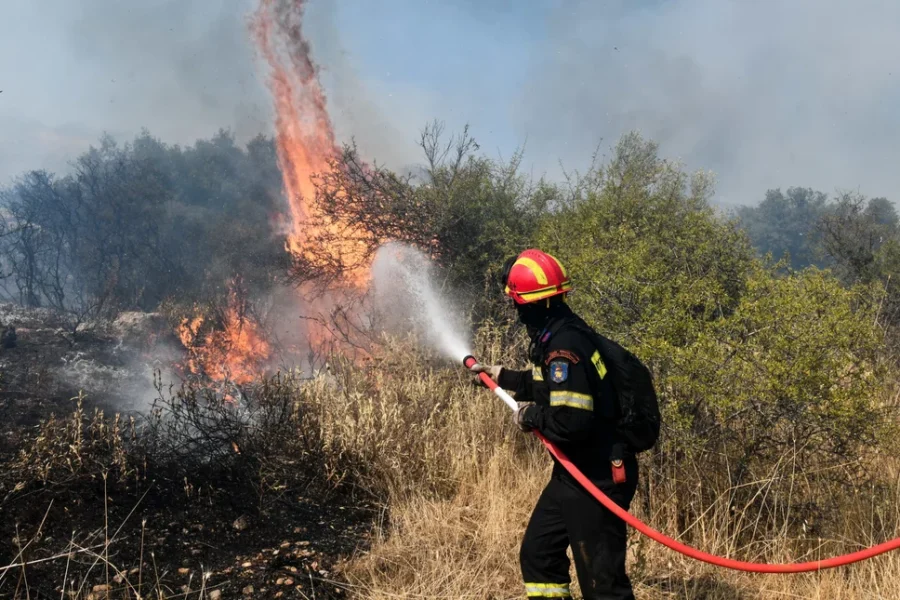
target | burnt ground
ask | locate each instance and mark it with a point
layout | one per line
(292, 549)
(164, 534)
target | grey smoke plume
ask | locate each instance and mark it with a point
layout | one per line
(765, 93)
(71, 71)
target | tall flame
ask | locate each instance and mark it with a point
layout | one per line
(237, 350)
(306, 144)
(306, 147)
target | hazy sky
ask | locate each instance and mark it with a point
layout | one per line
(764, 93)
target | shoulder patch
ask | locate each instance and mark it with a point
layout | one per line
(566, 354)
(559, 371)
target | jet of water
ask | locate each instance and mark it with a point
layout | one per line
(409, 298)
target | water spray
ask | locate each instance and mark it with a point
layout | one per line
(406, 291)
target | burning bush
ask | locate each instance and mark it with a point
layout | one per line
(226, 344)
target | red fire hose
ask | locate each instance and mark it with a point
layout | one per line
(677, 546)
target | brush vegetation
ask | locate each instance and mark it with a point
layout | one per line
(777, 382)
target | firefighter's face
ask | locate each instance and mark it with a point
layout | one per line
(532, 315)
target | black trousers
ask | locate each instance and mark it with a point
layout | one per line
(567, 515)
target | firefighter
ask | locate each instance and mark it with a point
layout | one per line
(565, 396)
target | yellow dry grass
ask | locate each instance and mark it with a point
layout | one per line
(459, 481)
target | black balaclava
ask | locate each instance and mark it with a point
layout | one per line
(536, 315)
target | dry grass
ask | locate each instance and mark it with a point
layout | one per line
(458, 483)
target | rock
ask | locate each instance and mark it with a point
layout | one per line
(215, 595)
(247, 590)
(241, 523)
(183, 571)
(140, 329)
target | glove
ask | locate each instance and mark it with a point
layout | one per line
(493, 372)
(519, 415)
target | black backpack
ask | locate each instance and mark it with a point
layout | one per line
(639, 419)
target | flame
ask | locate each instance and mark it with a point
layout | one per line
(237, 351)
(234, 347)
(306, 144)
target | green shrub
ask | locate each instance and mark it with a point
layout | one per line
(758, 374)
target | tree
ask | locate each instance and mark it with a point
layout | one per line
(462, 209)
(135, 224)
(639, 237)
(786, 224)
(853, 232)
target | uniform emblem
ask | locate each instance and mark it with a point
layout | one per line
(567, 354)
(559, 371)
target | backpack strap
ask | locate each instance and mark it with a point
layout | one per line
(538, 345)
(619, 450)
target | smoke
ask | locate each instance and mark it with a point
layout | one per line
(409, 299)
(353, 103)
(766, 94)
(74, 70)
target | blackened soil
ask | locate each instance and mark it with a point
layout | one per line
(164, 535)
(289, 550)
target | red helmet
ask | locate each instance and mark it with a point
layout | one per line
(535, 275)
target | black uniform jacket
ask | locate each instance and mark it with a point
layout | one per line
(574, 402)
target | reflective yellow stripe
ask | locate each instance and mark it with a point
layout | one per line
(560, 265)
(573, 399)
(544, 292)
(536, 374)
(547, 590)
(598, 364)
(535, 269)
